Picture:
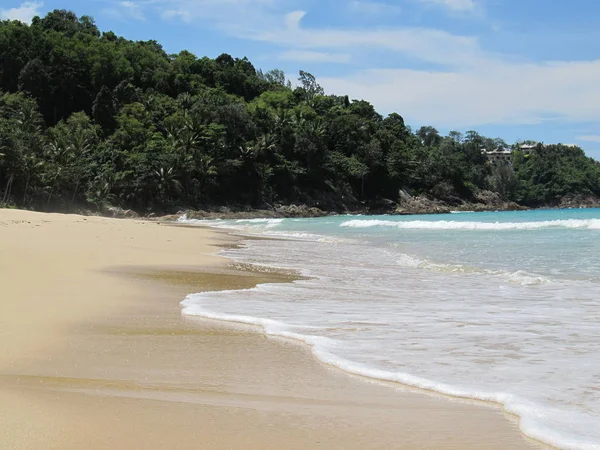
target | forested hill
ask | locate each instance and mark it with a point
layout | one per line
(89, 119)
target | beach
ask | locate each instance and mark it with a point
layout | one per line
(95, 354)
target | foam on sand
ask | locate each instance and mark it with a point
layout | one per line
(535, 421)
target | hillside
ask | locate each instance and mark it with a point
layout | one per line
(91, 120)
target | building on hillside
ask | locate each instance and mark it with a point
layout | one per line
(527, 149)
(499, 156)
(504, 156)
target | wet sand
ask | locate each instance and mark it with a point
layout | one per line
(95, 354)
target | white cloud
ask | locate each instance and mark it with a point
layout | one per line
(373, 8)
(229, 15)
(434, 46)
(126, 9)
(132, 9)
(589, 138)
(495, 93)
(23, 13)
(453, 5)
(267, 21)
(292, 20)
(315, 57)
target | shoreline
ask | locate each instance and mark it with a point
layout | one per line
(225, 213)
(121, 361)
(388, 379)
(416, 206)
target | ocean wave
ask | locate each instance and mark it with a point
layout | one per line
(262, 227)
(302, 236)
(267, 222)
(584, 224)
(532, 416)
(185, 219)
(520, 276)
(240, 224)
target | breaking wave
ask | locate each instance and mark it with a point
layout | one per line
(583, 224)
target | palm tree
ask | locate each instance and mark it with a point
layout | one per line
(206, 169)
(186, 103)
(251, 151)
(101, 189)
(77, 149)
(31, 165)
(166, 183)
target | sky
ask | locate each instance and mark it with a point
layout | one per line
(516, 69)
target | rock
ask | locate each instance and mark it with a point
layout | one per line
(196, 215)
(119, 213)
(488, 198)
(299, 211)
(421, 205)
(579, 201)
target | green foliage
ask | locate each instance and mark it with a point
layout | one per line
(553, 172)
(90, 118)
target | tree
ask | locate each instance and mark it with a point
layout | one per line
(276, 77)
(104, 109)
(20, 145)
(429, 136)
(504, 181)
(310, 86)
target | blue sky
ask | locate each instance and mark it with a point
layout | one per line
(518, 69)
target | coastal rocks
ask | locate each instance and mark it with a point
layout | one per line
(120, 213)
(482, 201)
(420, 205)
(381, 206)
(488, 198)
(579, 201)
(492, 201)
(225, 212)
(299, 211)
(276, 212)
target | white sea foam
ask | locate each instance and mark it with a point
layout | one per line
(520, 276)
(268, 223)
(192, 306)
(250, 226)
(263, 227)
(532, 416)
(588, 224)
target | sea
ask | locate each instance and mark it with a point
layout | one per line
(502, 307)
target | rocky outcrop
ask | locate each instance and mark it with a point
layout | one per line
(482, 201)
(579, 201)
(492, 201)
(224, 212)
(120, 213)
(299, 211)
(407, 204)
(421, 205)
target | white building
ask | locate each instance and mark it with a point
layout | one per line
(498, 156)
(527, 148)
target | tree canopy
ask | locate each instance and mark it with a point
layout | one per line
(91, 118)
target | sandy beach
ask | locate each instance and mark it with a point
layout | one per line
(94, 354)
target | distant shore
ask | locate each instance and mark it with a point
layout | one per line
(304, 211)
(407, 205)
(95, 354)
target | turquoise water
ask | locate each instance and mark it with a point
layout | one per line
(493, 306)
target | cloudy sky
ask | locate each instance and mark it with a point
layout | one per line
(518, 69)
